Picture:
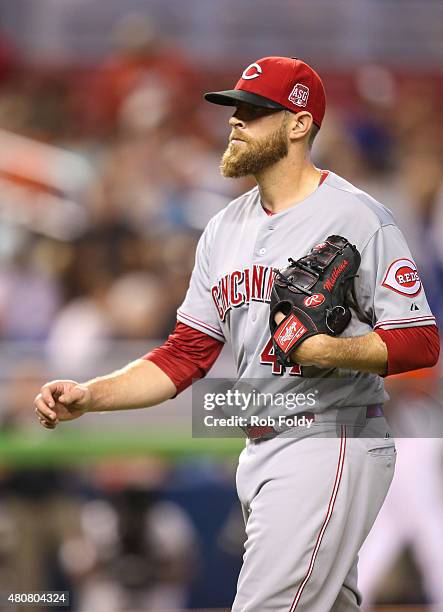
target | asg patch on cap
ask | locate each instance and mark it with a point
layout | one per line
(299, 95)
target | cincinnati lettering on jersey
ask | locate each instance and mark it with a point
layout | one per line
(241, 287)
(329, 284)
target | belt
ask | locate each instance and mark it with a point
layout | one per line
(266, 432)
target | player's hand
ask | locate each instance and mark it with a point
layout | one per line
(311, 351)
(61, 400)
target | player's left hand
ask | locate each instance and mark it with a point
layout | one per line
(311, 351)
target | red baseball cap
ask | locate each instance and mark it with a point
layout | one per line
(285, 83)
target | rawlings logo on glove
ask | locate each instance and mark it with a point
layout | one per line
(315, 294)
(289, 333)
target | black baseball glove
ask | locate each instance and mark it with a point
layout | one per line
(315, 294)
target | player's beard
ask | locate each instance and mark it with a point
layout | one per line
(254, 156)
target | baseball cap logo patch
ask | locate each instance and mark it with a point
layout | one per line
(252, 71)
(299, 95)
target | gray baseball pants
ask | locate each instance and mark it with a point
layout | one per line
(308, 505)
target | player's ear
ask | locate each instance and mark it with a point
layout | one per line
(300, 125)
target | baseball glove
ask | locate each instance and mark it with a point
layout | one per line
(315, 294)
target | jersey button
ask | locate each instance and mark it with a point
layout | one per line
(254, 317)
(262, 251)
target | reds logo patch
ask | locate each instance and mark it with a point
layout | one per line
(402, 277)
(291, 331)
(299, 95)
(252, 71)
(312, 301)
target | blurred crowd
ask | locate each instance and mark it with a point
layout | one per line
(101, 243)
(121, 535)
(113, 543)
(107, 176)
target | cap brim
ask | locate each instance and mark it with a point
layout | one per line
(231, 97)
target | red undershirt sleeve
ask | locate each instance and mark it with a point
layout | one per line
(411, 348)
(186, 355)
(189, 354)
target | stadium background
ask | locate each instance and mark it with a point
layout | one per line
(108, 173)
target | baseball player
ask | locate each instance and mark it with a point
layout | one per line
(309, 498)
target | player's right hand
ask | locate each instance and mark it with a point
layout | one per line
(61, 400)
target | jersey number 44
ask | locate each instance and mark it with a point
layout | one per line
(268, 357)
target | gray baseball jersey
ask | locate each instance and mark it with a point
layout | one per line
(230, 288)
(309, 502)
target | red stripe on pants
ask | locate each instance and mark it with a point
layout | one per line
(338, 475)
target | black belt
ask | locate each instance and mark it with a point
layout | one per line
(266, 432)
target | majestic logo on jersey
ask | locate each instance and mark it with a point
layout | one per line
(291, 331)
(241, 287)
(314, 300)
(299, 95)
(329, 284)
(248, 75)
(403, 277)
